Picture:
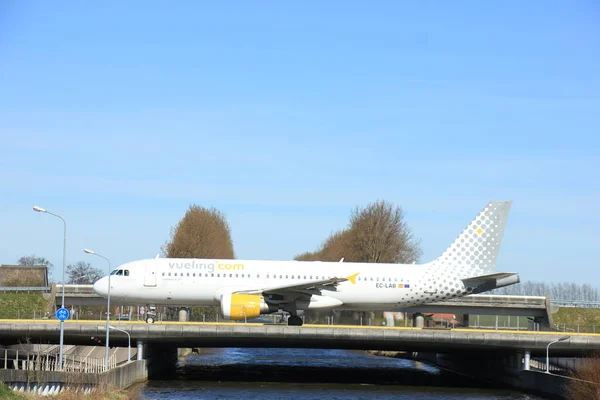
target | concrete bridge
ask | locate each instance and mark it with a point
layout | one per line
(189, 334)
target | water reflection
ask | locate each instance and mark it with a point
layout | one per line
(303, 374)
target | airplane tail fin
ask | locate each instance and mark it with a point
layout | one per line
(475, 250)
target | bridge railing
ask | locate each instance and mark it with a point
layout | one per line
(539, 364)
(45, 361)
(27, 289)
(575, 303)
(577, 328)
(20, 314)
(499, 299)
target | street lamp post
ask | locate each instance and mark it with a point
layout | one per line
(107, 307)
(562, 339)
(128, 341)
(62, 322)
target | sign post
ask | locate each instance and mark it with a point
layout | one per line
(62, 314)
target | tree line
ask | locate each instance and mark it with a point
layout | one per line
(375, 233)
(558, 291)
(78, 273)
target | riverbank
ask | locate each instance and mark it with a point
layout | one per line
(133, 393)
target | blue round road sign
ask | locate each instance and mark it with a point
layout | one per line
(62, 314)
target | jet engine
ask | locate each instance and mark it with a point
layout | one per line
(244, 306)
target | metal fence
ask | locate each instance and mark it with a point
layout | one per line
(48, 361)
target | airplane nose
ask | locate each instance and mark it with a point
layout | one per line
(101, 286)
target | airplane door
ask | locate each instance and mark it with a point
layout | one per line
(150, 277)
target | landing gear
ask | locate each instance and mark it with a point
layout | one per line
(151, 314)
(294, 320)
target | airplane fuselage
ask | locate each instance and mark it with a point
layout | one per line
(253, 287)
(200, 282)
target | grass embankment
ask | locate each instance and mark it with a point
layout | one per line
(577, 316)
(22, 305)
(101, 394)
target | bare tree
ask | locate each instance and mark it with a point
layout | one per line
(379, 234)
(35, 260)
(376, 234)
(82, 273)
(201, 233)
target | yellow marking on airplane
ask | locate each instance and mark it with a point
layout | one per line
(479, 230)
(352, 278)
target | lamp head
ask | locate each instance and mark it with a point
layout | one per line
(39, 209)
(89, 251)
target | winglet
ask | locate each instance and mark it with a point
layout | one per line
(342, 259)
(352, 278)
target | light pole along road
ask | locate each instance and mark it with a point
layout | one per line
(62, 322)
(562, 339)
(128, 341)
(107, 307)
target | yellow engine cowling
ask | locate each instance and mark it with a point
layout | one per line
(243, 306)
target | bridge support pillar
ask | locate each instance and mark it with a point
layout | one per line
(418, 320)
(161, 360)
(183, 313)
(526, 359)
(140, 350)
(465, 319)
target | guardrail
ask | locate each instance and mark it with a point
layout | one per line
(25, 288)
(575, 303)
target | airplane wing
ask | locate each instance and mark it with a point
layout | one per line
(492, 281)
(304, 288)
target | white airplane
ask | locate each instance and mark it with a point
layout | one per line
(245, 289)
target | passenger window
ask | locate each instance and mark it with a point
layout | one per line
(236, 275)
(163, 274)
(188, 274)
(194, 274)
(169, 274)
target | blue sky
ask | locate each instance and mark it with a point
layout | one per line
(286, 115)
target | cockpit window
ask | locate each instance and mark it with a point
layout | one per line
(126, 272)
(120, 272)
